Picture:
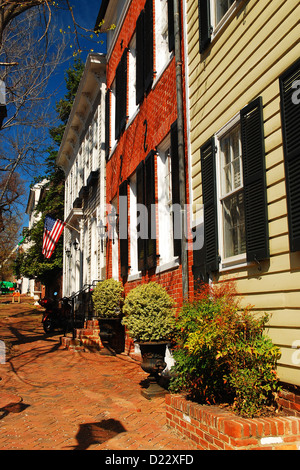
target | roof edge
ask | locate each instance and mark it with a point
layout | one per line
(101, 13)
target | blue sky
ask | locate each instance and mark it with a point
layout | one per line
(85, 13)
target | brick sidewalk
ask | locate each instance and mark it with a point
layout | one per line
(72, 400)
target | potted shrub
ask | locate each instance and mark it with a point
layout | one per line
(149, 316)
(108, 300)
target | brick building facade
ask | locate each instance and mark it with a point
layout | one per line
(142, 157)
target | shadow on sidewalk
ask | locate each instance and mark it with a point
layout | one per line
(12, 408)
(97, 433)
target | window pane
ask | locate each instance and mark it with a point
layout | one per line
(226, 177)
(221, 8)
(234, 225)
(231, 161)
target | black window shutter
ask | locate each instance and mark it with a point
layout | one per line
(175, 190)
(150, 206)
(140, 58)
(171, 37)
(148, 45)
(204, 24)
(254, 173)
(199, 259)
(121, 91)
(123, 227)
(140, 199)
(209, 194)
(290, 115)
(107, 123)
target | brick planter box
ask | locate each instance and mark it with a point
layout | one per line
(213, 428)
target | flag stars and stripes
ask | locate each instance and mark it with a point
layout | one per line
(52, 232)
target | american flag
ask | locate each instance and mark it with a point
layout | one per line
(52, 231)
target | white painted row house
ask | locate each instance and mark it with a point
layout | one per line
(32, 286)
(82, 158)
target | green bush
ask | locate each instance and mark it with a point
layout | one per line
(149, 313)
(108, 298)
(223, 354)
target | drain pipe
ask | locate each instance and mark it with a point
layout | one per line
(181, 152)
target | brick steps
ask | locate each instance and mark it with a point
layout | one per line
(86, 339)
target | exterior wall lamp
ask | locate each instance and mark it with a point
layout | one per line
(68, 251)
(113, 219)
(102, 233)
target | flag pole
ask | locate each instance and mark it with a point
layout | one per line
(68, 225)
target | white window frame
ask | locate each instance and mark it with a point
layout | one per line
(115, 247)
(218, 26)
(132, 106)
(113, 140)
(240, 259)
(162, 53)
(94, 249)
(167, 259)
(133, 242)
(95, 164)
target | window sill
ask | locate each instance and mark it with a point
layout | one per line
(237, 262)
(134, 277)
(162, 70)
(132, 117)
(167, 266)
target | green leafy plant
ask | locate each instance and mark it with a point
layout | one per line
(108, 298)
(149, 313)
(223, 354)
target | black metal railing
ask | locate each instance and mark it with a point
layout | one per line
(82, 308)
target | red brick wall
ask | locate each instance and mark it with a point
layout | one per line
(159, 108)
(289, 400)
(213, 428)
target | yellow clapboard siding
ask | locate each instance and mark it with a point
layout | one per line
(197, 193)
(280, 244)
(274, 140)
(284, 262)
(234, 68)
(257, 32)
(278, 305)
(286, 317)
(275, 175)
(277, 209)
(278, 227)
(228, 39)
(279, 264)
(272, 124)
(216, 116)
(270, 282)
(259, 43)
(290, 356)
(274, 156)
(272, 102)
(289, 375)
(284, 336)
(276, 191)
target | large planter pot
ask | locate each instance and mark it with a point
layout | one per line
(112, 335)
(153, 355)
